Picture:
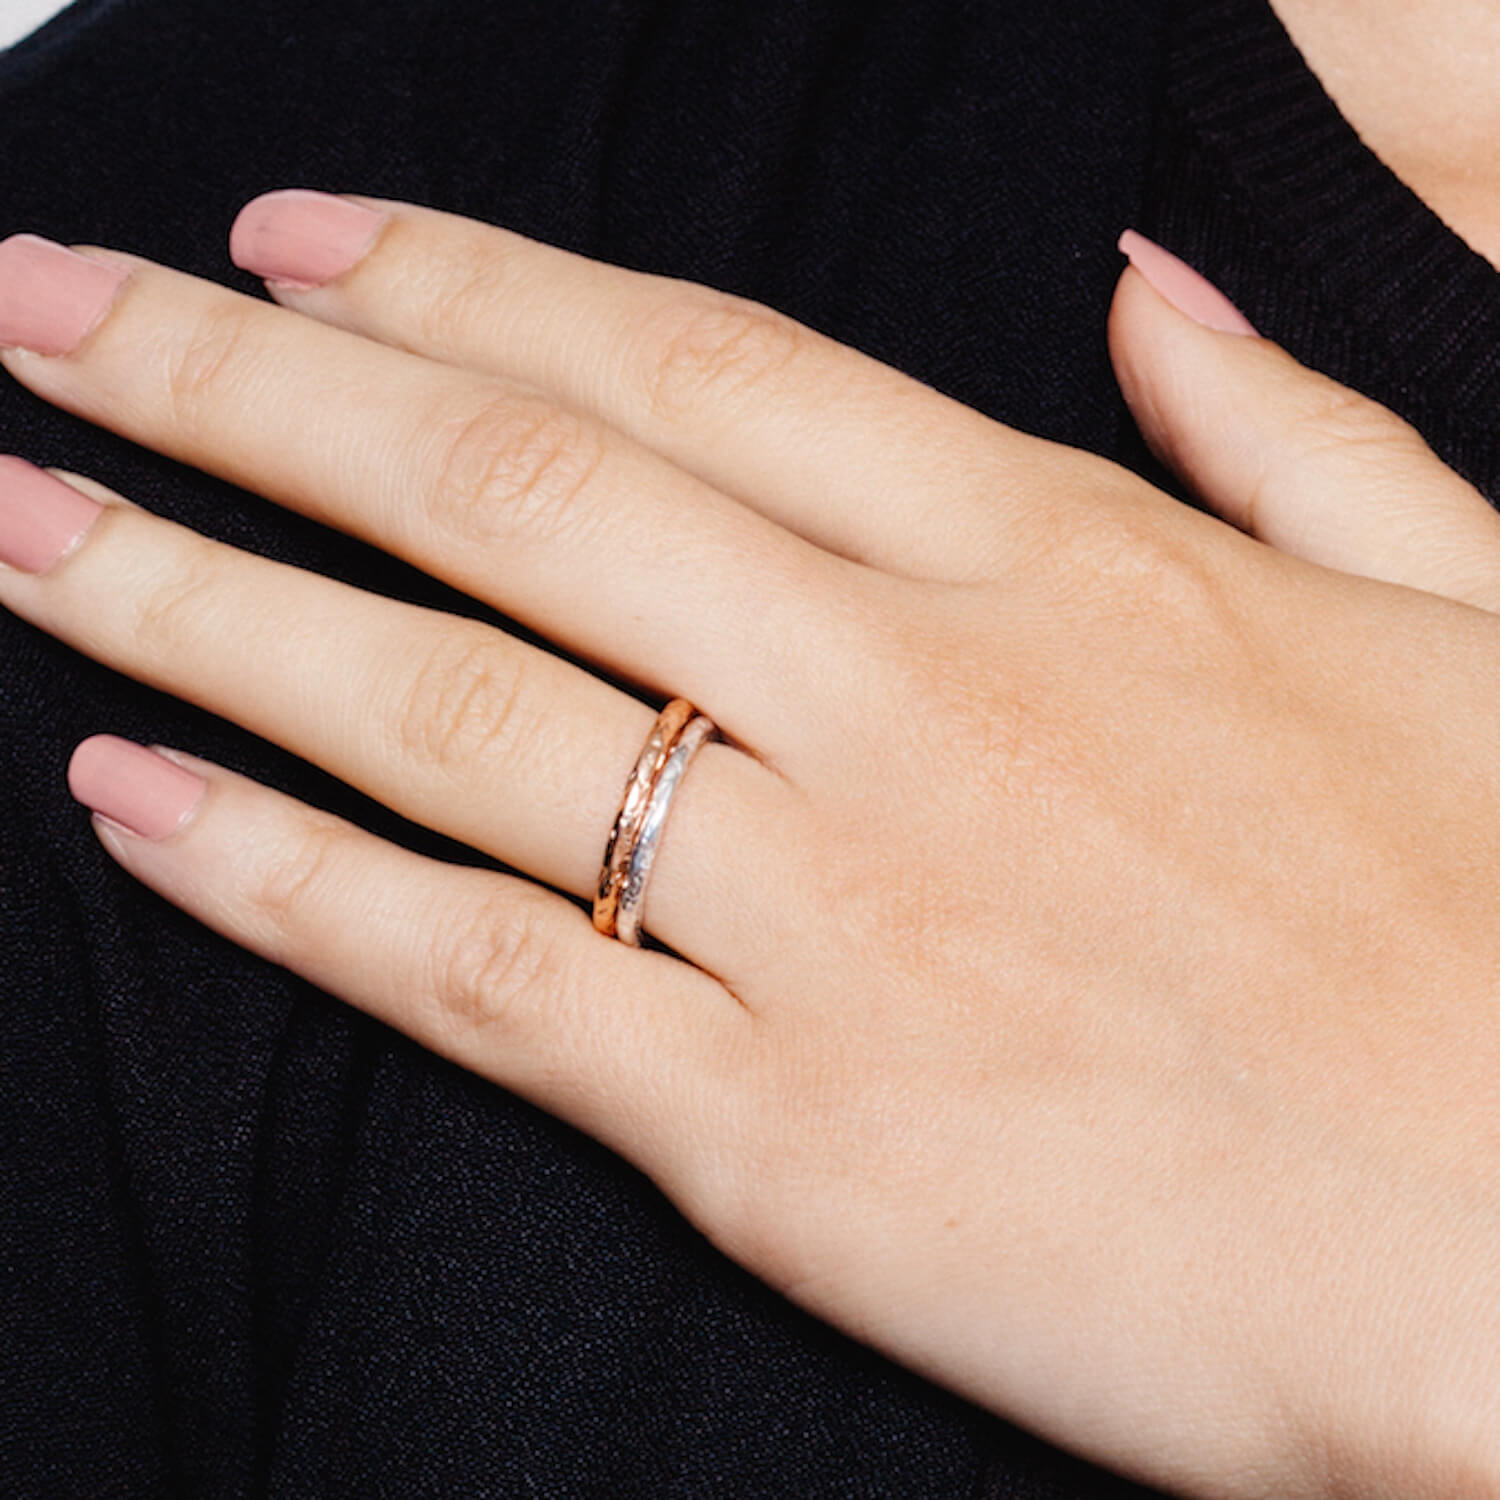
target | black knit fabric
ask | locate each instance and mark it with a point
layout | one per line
(256, 1244)
(1267, 189)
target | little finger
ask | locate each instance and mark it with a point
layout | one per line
(635, 1047)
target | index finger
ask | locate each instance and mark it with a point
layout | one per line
(848, 452)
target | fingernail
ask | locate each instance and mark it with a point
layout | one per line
(143, 791)
(301, 239)
(1182, 286)
(41, 518)
(50, 296)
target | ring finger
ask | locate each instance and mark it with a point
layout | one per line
(451, 723)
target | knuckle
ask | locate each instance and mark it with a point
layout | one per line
(1138, 564)
(468, 277)
(179, 608)
(464, 708)
(514, 464)
(289, 887)
(714, 348)
(498, 954)
(1336, 417)
(208, 359)
(1151, 571)
(1334, 425)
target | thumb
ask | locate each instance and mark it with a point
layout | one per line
(1284, 453)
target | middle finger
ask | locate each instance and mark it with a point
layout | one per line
(453, 724)
(550, 516)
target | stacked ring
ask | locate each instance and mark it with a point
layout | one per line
(679, 733)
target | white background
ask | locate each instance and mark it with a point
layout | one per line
(20, 17)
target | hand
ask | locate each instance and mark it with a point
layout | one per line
(1080, 987)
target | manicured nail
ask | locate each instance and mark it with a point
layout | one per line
(301, 239)
(143, 791)
(50, 296)
(41, 518)
(1182, 286)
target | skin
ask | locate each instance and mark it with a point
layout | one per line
(1417, 80)
(1112, 1046)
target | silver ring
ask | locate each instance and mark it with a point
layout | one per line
(653, 821)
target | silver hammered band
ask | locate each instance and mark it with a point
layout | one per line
(679, 733)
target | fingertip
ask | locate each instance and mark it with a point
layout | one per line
(251, 224)
(80, 765)
(1138, 350)
(194, 763)
(300, 239)
(114, 837)
(1183, 288)
(1128, 309)
(43, 519)
(134, 786)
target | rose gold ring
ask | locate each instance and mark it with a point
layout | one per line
(699, 731)
(637, 805)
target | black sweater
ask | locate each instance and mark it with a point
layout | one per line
(255, 1243)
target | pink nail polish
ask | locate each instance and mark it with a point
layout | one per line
(302, 239)
(146, 793)
(1182, 286)
(41, 518)
(52, 297)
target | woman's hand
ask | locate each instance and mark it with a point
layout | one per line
(1085, 992)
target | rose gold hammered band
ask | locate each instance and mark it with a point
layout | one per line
(676, 737)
